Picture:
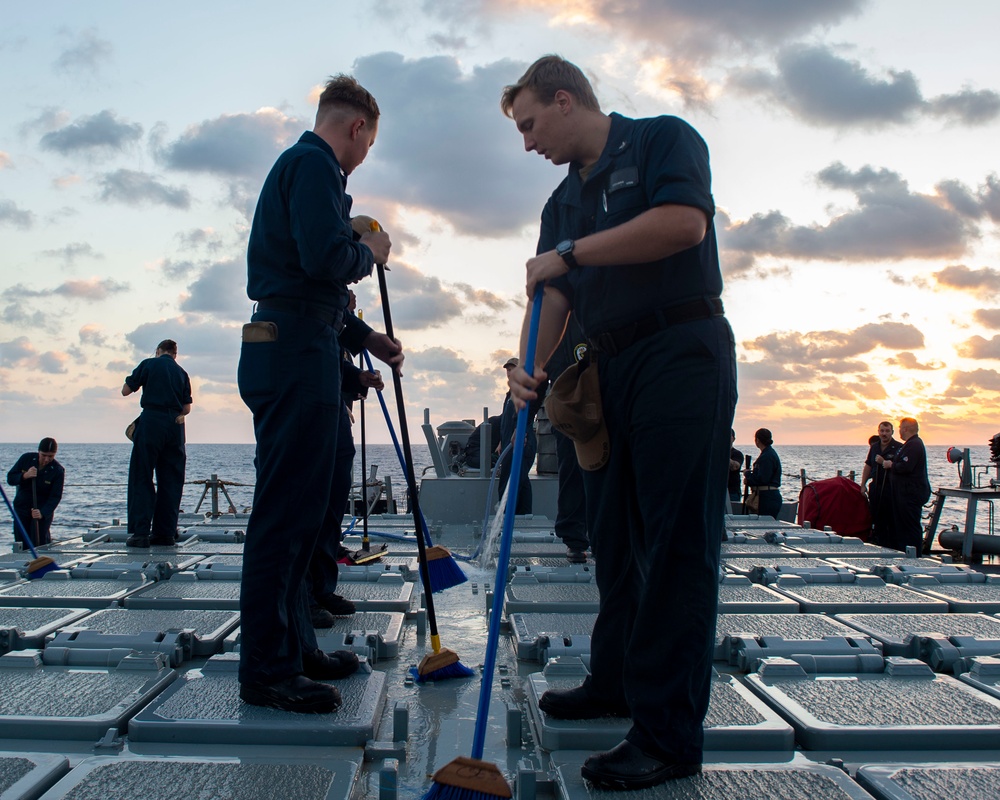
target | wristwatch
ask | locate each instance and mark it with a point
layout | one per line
(565, 250)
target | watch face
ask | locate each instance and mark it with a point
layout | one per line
(564, 247)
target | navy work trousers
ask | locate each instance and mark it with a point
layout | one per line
(656, 524)
(157, 447)
(323, 569)
(524, 499)
(571, 504)
(769, 503)
(38, 537)
(292, 386)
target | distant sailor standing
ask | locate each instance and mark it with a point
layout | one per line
(765, 476)
(911, 488)
(157, 447)
(39, 480)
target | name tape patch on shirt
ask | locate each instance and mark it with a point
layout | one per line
(623, 178)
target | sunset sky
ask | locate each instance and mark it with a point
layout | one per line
(855, 167)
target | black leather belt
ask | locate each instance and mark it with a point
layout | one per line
(613, 342)
(335, 319)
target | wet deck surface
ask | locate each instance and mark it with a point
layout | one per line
(125, 686)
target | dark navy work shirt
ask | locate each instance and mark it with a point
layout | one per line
(49, 484)
(766, 469)
(165, 385)
(301, 243)
(645, 163)
(880, 476)
(909, 471)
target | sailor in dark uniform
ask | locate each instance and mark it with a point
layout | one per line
(301, 256)
(911, 489)
(627, 243)
(765, 476)
(157, 446)
(875, 481)
(39, 479)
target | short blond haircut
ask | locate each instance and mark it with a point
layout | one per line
(344, 91)
(544, 78)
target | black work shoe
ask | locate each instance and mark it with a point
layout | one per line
(298, 694)
(625, 766)
(321, 618)
(333, 666)
(337, 605)
(578, 703)
(137, 540)
(574, 556)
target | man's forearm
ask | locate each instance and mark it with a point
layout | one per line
(651, 236)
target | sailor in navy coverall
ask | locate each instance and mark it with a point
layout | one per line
(37, 476)
(627, 243)
(157, 446)
(301, 256)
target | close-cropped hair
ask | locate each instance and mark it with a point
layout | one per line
(168, 346)
(345, 91)
(545, 77)
(907, 421)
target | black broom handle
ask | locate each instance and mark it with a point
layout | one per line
(404, 434)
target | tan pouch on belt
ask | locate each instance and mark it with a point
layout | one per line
(255, 332)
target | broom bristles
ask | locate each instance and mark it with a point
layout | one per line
(442, 569)
(466, 778)
(40, 566)
(440, 665)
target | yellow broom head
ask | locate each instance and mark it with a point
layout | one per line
(432, 662)
(473, 775)
(436, 552)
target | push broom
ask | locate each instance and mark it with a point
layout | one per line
(39, 565)
(441, 663)
(472, 778)
(441, 564)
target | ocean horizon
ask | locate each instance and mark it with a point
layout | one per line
(96, 475)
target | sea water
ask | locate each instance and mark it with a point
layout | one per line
(97, 474)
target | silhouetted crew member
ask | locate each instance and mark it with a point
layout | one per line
(38, 478)
(911, 488)
(765, 475)
(157, 447)
(879, 489)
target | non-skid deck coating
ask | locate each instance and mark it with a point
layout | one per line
(183, 732)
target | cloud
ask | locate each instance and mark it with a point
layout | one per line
(220, 291)
(195, 238)
(826, 349)
(101, 131)
(908, 360)
(988, 317)
(960, 277)
(889, 222)
(71, 252)
(93, 334)
(822, 88)
(22, 354)
(207, 349)
(437, 360)
(428, 156)
(419, 301)
(978, 347)
(967, 106)
(966, 384)
(11, 214)
(139, 188)
(233, 145)
(49, 119)
(87, 53)
(92, 289)
(5, 161)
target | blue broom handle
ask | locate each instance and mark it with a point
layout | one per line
(506, 537)
(20, 524)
